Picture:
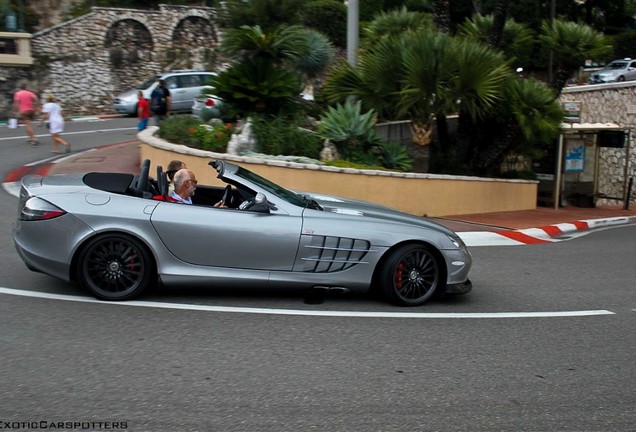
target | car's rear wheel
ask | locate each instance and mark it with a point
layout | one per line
(621, 78)
(115, 267)
(410, 276)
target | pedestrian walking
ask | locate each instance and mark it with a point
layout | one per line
(52, 115)
(26, 104)
(160, 100)
(143, 111)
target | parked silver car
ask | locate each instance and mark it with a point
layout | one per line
(116, 234)
(207, 106)
(184, 86)
(616, 71)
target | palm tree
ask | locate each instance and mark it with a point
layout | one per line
(517, 40)
(499, 22)
(529, 118)
(441, 15)
(394, 23)
(270, 67)
(431, 74)
(572, 44)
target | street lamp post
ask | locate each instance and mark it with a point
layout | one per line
(352, 31)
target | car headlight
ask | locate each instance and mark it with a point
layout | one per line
(455, 240)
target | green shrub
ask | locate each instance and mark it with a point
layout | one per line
(179, 129)
(213, 137)
(281, 135)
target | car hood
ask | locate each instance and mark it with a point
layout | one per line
(367, 210)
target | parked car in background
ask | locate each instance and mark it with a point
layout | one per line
(184, 86)
(207, 106)
(615, 71)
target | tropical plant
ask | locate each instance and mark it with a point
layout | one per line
(352, 131)
(257, 86)
(526, 121)
(395, 156)
(572, 44)
(517, 40)
(270, 68)
(432, 74)
(393, 24)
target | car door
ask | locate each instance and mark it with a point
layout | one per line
(222, 237)
(630, 74)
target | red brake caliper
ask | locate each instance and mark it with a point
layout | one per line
(399, 271)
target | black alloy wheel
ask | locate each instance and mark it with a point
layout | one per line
(115, 267)
(410, 276)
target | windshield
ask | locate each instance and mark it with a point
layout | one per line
(148, 83)
(277, 190)
(616, 65)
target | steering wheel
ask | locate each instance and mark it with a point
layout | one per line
(227, 196)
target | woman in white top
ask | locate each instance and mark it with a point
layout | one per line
(52, 112)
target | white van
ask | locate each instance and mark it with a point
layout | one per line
(184, 86)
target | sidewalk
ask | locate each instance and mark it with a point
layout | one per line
(124, 157)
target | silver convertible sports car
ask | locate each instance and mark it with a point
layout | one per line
(117, 234)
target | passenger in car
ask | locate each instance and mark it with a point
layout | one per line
(171, 170)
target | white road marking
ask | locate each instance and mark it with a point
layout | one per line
(299, 312)
(23, 138)
(486, 238)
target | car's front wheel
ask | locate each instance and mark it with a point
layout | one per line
(410, 276)
(115, 267)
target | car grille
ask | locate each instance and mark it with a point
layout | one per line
(324, 254)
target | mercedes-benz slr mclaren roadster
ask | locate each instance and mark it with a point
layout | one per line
(117, 234)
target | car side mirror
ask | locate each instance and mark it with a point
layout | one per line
(258, 204)
(261, 205)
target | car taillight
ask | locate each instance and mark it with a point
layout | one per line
(36, 208)
(209, 102)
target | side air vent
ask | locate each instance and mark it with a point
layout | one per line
(322, 254)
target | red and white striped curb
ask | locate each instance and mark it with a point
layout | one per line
(546, 234)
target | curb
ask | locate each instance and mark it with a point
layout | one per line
(545, 234)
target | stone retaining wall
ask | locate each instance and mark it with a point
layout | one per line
(610, 103)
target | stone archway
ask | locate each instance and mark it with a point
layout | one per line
(128, 42)
(194, 32)
(194, 40)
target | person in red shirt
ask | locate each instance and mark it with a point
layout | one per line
(143, 111)
(27, 104)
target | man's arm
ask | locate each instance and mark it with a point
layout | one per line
(168, 102)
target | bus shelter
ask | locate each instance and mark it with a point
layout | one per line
(571, 173)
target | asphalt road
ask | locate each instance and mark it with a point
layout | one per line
(153, 367)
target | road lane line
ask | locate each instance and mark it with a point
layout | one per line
(300, 312)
